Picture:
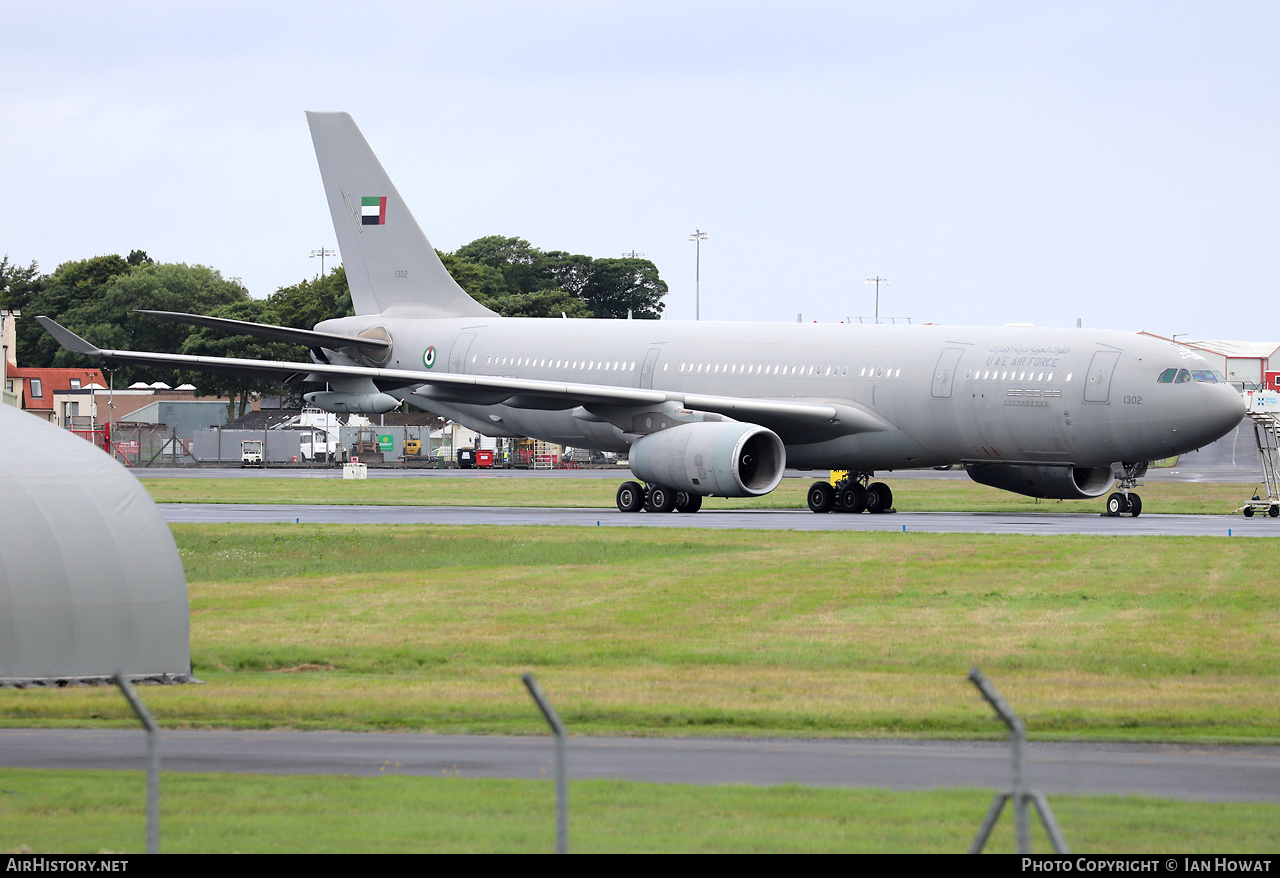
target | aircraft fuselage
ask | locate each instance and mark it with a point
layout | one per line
(948, 394)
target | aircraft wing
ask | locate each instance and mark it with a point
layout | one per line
(308, 337)
(793, 420)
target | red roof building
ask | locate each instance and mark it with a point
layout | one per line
(35, 388)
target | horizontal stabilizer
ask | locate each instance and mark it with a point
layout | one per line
(308, 337)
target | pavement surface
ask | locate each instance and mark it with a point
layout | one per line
(748, 519)
(1239, 774)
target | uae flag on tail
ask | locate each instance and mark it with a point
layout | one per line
(373, 210)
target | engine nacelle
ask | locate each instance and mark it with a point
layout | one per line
(1046, 482)
(724, 458)
(356, 403)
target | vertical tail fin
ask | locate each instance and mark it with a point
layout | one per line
(391, 266)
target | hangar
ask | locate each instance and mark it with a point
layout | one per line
(90, 579)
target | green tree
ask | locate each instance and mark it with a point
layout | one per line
(516, 279)
(96, 298)
(617, 286)
(542, 303)
(215, 343)
(484, 283)
(309, 302)
(17, 284)
(71, 287)
(518, 261)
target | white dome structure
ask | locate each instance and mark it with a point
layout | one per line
(90, 578)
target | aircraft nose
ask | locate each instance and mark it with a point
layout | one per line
(1220, 410)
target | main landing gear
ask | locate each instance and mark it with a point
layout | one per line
(634, 497)
(1125, 501)
(851, 494)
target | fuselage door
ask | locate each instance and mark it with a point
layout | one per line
(650, 366)
(458, 357)
(944, 373)
(1097, 387)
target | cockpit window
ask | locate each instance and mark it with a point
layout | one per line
(1183, 376)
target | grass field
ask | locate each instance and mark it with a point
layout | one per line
(700, 632)
(916, 495)
(91, 811)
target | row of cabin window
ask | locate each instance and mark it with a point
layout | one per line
(602, 365)
(704, 368)
(1006, 375)
(779, 369)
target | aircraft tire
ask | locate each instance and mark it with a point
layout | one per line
(630, 497)
(879, 497)
(1116, 504)
(686, 502)
(822, 497)
(660, 500)
(853, 498)
(1135, 505)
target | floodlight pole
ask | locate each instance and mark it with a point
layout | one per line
(877, 280)
(698, 237)
(153, 760)
(1020, 794)
(562, 781)
(322, 253)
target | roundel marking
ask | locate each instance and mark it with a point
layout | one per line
(429, 357)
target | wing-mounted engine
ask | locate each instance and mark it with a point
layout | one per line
(724, 458)
(1045, 482)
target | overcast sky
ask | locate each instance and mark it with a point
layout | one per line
(997, 161)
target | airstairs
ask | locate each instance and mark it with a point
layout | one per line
(1263, 408)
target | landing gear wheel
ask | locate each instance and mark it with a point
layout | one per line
(686, 502)
(1117, 504)
(879, 497)
(853, 498)
(630, 497)
(822, 497)
(1274, 511)
(1247, 511)
(660, 499)
(1135, 505)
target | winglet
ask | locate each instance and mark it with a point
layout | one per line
(67, 338)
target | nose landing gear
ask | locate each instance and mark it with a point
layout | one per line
(1124, 500)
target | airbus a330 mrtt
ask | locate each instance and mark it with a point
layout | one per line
(705, 408)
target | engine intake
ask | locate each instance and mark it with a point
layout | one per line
(1045, 482)
(725, 458)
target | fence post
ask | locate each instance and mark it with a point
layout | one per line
(562, 781)
(1021, 796)
(153, 760)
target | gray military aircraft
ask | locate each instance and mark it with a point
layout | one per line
(721, 408)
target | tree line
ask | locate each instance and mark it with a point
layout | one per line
(95, 298)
